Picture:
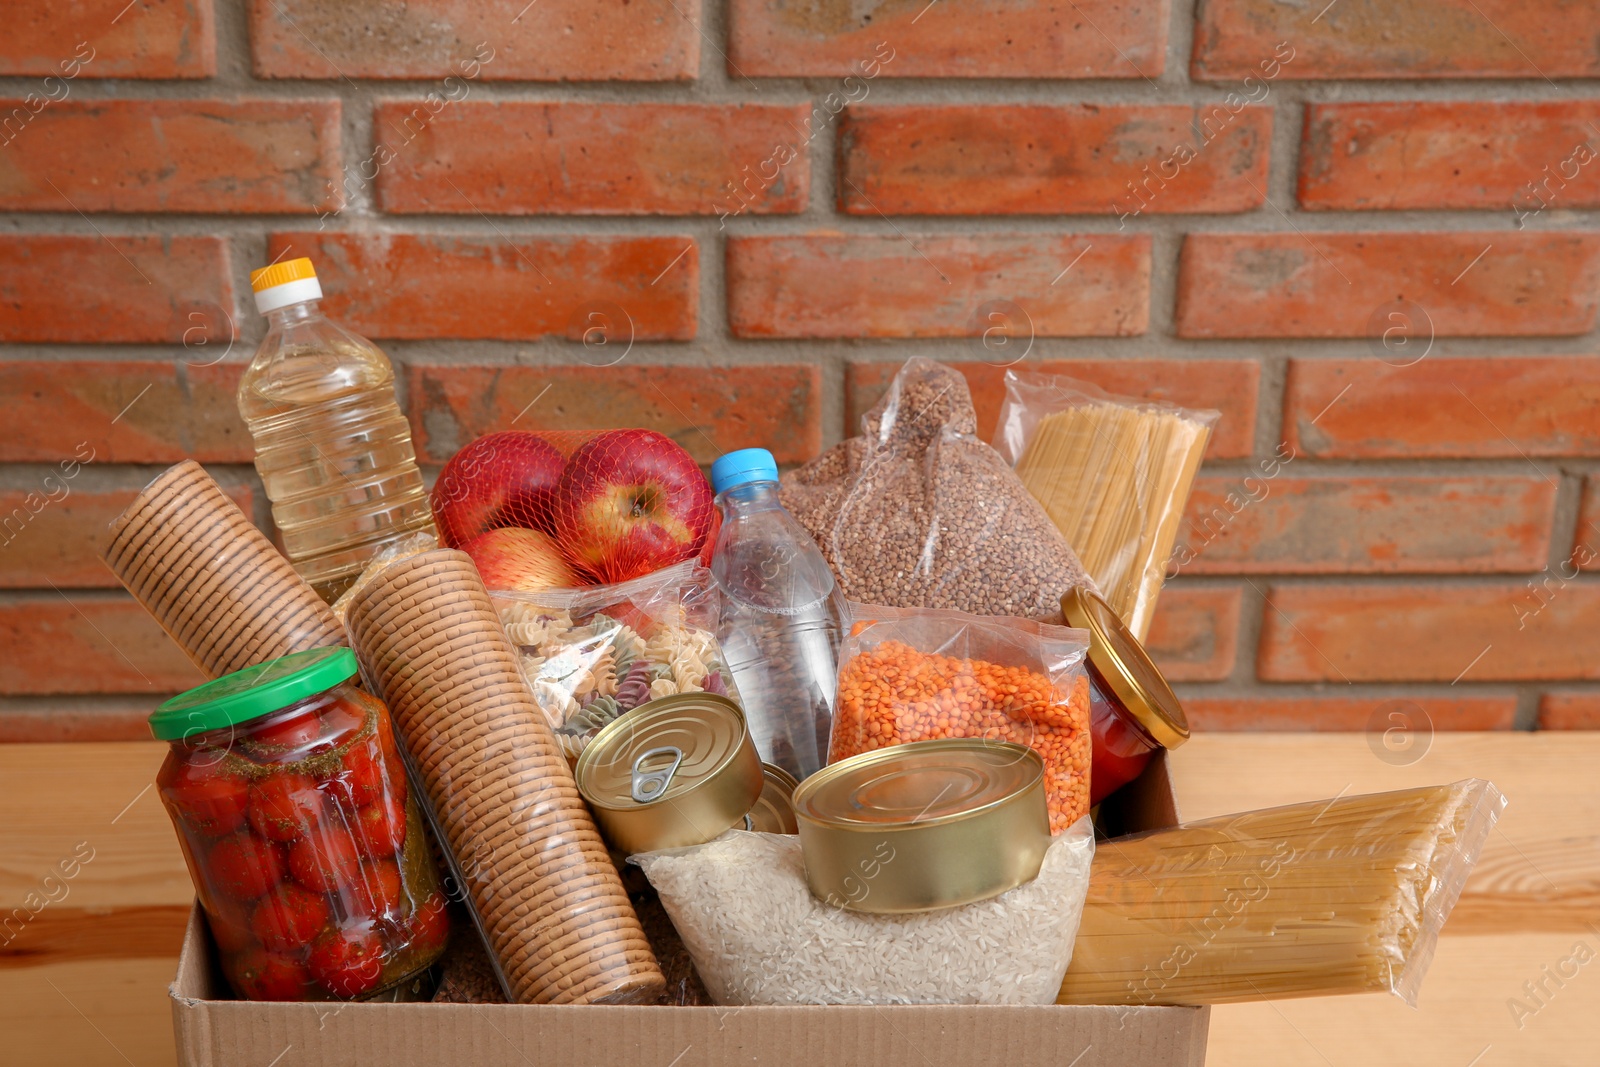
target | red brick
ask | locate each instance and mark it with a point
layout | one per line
(1493, 632)
(120, 722)
(1078, 159)
(1399, 39)
(157, 39)
(1569, 711)
(123, 412)
(1587, 539)
(56, 645)
(514, 289)
(1462, 154)
(254, 157)
(536, 158)
(1350, 714)
(891, 286)
(46, 541)
(136, 290)
(1339, 284)
(995, 39)
(708, 410)
(1226, 385)
(1195, 633)
(551, 40)
(1504, 407)
(1254, 524)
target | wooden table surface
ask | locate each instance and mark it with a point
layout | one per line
(83, 981)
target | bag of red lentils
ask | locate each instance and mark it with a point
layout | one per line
(917, 674)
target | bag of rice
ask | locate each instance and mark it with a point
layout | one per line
(758, 935)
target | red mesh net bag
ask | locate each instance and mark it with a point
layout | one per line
(540, 509)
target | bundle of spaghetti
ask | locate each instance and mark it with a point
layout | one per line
(1114, 477)
(1340, 896)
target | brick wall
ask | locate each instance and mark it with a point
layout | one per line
(1364, 231)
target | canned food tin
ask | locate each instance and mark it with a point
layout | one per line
(774, 809)
(925, 825)
(674, 772)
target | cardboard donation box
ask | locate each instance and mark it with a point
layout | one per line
(214, 1030)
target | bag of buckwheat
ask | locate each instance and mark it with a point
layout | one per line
(917, 512)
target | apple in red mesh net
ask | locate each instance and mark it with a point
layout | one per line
(632, 502)
(523, 560)
(501, 479)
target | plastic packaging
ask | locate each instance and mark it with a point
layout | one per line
(289, 797)
(605, 506)
(780, 614)
(499, 793)
(913, 674)
(211, 579)
(413, 544)
(1336, 896)
(917, 512)
(594, 652)
(758, 936)
(1114, 475)
(332, 446)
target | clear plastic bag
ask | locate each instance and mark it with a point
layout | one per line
(759, 936)
(1333, 896)
(917, 674)
(594, 653)
(917, 512)
(403, 547)
(1112, 472)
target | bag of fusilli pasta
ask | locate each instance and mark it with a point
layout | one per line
(596, 652)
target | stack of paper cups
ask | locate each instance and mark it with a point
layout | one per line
(211, 579)
(548, 897)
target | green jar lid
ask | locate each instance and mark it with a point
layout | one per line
(251, 693)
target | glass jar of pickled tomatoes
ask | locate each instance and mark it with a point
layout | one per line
(1132, 709)
(289, 796)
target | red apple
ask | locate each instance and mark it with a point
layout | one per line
(631, 502)
(523, 560)
(501, 479)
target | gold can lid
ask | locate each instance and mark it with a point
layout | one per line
(774, 810)
(922, 783)
(661, 750)
(1127, 668)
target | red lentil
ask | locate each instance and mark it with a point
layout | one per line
(892, 694)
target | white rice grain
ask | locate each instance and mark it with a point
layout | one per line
(758, 936)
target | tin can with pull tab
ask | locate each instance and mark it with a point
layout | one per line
(677, 771)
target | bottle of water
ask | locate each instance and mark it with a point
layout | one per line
(332, 447)
(780, 614)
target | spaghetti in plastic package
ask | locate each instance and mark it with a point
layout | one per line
(758, 936)
(594, 653)
(1114, 475)
(606, 506)
(1335, 896)
(916, 511)
(411, 544)
(918, 674)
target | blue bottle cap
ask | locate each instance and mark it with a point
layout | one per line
(743, 467)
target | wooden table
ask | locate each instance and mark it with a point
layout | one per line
(84, 981)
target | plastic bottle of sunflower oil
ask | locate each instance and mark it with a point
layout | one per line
(332, 446)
